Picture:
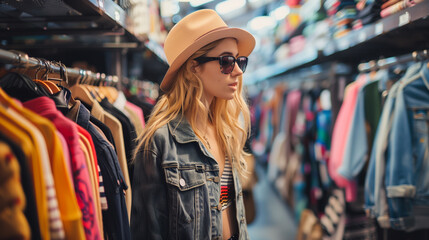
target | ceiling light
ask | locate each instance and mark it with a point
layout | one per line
(197, 3)
(229, 6)
(280, 12)
(262, 23)
(169, 8)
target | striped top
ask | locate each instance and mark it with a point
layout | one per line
(226, 186)
(103, 198)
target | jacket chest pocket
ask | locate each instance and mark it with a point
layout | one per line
(185, 197)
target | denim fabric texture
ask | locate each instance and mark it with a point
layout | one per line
(407, 181)
(396, 191)
(176, 188)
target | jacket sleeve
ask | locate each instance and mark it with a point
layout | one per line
(149, 212)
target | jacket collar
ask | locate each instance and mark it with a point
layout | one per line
(181, 129)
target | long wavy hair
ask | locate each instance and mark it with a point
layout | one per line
(231, 118)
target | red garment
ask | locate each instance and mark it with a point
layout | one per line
(45, 107)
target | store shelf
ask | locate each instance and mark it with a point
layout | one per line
(304, 58)
(157, 49)
(104, 20)
(400, 33)
(106, 9)
(380, 28)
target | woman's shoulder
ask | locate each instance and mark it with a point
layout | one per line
(161, 136)
(162, 132)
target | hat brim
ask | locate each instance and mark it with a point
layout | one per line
(245, 44)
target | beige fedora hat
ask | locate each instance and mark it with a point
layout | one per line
(194, 32)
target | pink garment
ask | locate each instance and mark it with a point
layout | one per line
(138, 110)
(89, 138)
(45, 107)
(339, 137)
(66, 153)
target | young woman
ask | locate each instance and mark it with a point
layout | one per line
(188, 162)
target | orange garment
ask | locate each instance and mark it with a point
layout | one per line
(71, 215)
(13, 224)
(56, 227)
(20, 135)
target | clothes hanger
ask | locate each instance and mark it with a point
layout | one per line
(79, 91)
(109, 91)
(21, 86)
(93, 89)
(64, 77)
(49, 82)
(40, 82)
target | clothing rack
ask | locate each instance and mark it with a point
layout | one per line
(388, 62)
(19, 60)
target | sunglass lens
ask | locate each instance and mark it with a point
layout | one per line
(227, 64)
(242, 63)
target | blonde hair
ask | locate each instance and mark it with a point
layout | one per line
(231, 118)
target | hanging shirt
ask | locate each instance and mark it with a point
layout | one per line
(339, 137)
(56, 227)
(91, 161)
(130, 137)
(137, 110)
(70, 213)
(66, 157)
(46, 107)
(19, 136)
(13, 224)
(115, 217)
(26, 177)
(116, 127)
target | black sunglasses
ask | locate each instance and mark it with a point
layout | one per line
(227, 63)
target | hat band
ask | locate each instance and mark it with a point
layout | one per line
(216, 29)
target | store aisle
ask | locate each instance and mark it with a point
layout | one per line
(274, 219)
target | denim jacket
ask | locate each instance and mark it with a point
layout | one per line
(401, 159)
(176, 188)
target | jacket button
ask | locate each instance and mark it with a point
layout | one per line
(182, 182)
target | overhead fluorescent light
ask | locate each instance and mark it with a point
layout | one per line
(229, 6)
(169, 8)
(197, 3)
(258, 3)
(280, 12)
(262, 23)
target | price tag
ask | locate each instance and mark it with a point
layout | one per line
(379, 28)
(404, 19)
(362, 36)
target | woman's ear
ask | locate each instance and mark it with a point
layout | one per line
(194, 66)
